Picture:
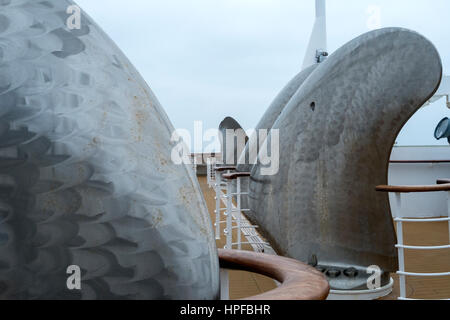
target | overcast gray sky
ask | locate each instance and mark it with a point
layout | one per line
(208, 59)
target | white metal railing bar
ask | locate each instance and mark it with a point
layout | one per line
(228, 231)
(422, 220)
(423, 274)
(235, 222)
(252, 242)
(222, 186)
(247, 227)
(410, 299)
(401, 257)
(218, 191)
(238, 209)
(423, 247)
(222, 196)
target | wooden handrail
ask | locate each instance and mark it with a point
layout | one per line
(235, 175)
(415, 189)
(221, 169)
(419, 161)
(298, 280)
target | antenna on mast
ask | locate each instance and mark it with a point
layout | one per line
(317, 47)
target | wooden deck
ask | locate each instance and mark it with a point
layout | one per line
(244, 284)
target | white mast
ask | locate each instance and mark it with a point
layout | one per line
(317, 47)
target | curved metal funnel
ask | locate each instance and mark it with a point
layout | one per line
(336, 137)
(233, 140)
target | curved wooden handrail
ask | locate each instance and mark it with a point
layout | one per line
(443, 181)
(235, 175)
(228, 168)
(419, 161)
(415, 189)
(298, 280)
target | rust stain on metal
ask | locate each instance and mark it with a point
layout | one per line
(158, 219)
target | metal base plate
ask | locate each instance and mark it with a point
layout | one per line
(361, 294)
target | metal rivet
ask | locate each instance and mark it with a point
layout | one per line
(351, 272)
(333, 273)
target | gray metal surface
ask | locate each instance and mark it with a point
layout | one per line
(336, 137)
(237, 135)
(273, 112)
(86, 176)
(245, 163)
(283, 98)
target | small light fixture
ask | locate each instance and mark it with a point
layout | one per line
(443, 130)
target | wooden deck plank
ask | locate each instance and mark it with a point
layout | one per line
(244, 284)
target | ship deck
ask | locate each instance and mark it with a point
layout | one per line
(245, 284)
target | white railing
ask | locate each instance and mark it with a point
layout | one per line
(233, 214)
(219, 186)
(234, 219)
(228, 231)
(401, 246)
(210, 174)
(237, 221)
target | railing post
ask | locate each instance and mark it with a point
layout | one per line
(208, 172)
(229, 216)
(401, 253)
(194, 164)
(217, 186)
(224, 284)
(238, 188)
(448, 213)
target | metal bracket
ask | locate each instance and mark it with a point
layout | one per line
(321, 56)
